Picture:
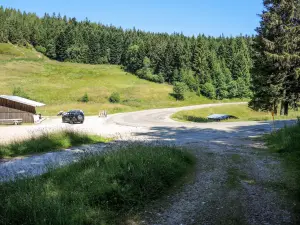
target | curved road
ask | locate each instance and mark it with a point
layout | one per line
(225, 153)
(124, 124)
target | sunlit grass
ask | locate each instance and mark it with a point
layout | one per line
(61, 85)
(97, 190)
(286, 142)
(48, 141)
(242, 112)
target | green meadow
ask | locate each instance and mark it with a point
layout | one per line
(61, 85)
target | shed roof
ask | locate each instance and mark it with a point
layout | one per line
(22, 100)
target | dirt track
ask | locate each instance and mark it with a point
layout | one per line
(235, 180)
(156, 122)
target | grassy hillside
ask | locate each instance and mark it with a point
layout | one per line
(242, 112)
(61, 85)
(10, 52)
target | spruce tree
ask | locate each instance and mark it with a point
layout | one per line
(277, 58)
(200, 63)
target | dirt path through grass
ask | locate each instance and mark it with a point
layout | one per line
(233, 184)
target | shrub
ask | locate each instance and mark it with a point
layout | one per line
(189, 79)
(208, 90)
(179, 90)
(17, 91)
(159, 78)
(115, 97)
(85, 98)
(41, 49)
(147, 73)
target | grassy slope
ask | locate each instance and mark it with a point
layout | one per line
(242, 112)
(60, 85)
(98, 190)
(48, 142)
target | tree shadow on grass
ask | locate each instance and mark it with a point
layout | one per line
(197, 119)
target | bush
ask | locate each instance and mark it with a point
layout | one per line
(179, 90)
(17, 91)
(115, 97)
(41, 49)
(159, 78)
(208, 90)
(147, 73)
(190, 80)
(85, 98)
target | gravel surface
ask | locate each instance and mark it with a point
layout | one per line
(233, 183)
(39, 164)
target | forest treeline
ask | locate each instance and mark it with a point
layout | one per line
(214, 67)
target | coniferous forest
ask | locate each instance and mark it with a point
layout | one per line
(214, 67)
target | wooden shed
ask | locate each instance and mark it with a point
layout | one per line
(15, 107)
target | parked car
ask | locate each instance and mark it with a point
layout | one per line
(73, 116)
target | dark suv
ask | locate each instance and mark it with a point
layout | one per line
(73, 116)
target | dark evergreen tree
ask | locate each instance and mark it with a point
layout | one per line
(277, 57)
(200, 63)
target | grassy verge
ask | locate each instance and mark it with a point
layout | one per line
(104, 189)
(242, 112)
(286, 142)
(48, 142)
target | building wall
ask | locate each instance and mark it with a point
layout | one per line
(14, 110)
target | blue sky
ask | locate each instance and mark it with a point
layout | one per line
(210, 17)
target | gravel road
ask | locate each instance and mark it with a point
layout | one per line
(234, 176)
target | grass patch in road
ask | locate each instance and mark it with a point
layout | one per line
(48, 141)
(242, 112)
(236, 158)
(234, 177)
(103, 189)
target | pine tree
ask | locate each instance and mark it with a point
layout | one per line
(200, 63)
(277, 60)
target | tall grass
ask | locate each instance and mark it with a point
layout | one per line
(48, 141)
(103, 189)
(286, 142)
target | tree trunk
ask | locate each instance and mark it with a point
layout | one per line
(286, 108)
(275, 110)
(282, 108)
